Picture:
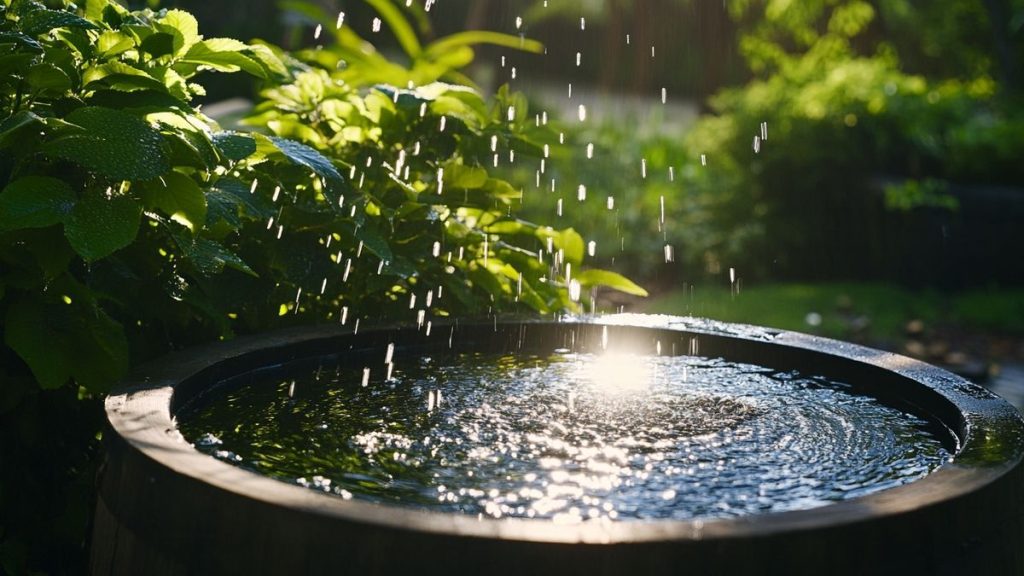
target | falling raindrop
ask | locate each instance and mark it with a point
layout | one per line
(574, 290)
(376, 24)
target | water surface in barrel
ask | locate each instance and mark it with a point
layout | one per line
(568, 437)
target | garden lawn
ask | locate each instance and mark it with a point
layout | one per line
(865, 311)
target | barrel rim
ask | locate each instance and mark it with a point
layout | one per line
(990, 433)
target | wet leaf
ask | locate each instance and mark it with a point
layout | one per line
(255, 207)
(210, 257)
(98, 227)
(234, 146)
(374, 242)
(179, 197)
(305, 156)
(35, 202)
(40, 21)
(115, 144)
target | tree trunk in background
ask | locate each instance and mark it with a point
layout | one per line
(715, 41)
(478, 14)
(999, 15)
(615, 42)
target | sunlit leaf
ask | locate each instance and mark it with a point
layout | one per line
(590, 278)
(179, 197)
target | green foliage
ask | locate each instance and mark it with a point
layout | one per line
(361, 65)
(840, 115)
(131, 224)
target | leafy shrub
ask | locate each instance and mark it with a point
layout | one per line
(840, 117)
(131, 224)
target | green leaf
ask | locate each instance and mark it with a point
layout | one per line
(142, 100)
(568, 240)
(589, 278)
(40, 21)
(571, 241)
(472, 37)
(47, 77)
(60, 341)
(35, 202)
(159, 44)
(187, 28)
(14, 38)
(468, 177)
(32, 334)
(209, 257)
(375, 242)
(115, 144)
(121, 76)
(50, 250)
(269, 60)
(111, 43)
(222, 206)
(305, 156)
(178, 196)
(255, 207)
(14, 126)
(98, 227)
(224, 55)
(234, 146)
(15, 65)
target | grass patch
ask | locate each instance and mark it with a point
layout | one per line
(878, 312)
